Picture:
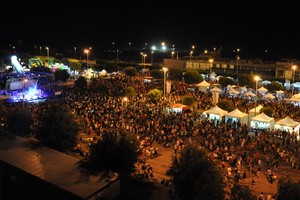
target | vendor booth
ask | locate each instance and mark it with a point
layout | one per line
(215, 113)
(203, 86)
(287, 124)
(177, 108)
(237, 116)
(254, 111)
(262, 121)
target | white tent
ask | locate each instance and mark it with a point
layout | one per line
(262, 89)
(233, 91)
(215, 113)
(262, 121)
(216, 89)
(203, 86)
(278, 92)
(287, 124)
(254, 111)
(237, 115)
(269, 96)
(250, 94)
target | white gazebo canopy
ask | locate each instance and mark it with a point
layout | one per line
(287, 124)
(269, 96)
(262, 121)
(262, 89)
(215, 113)
(237, 115)
(250, 94)
(216, 89)
(233, 91)
(279, 92)
(203, 84)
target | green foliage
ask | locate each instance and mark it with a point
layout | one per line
(267, 110)
(225, 81)
(19, 122)
(274, 86)
(155, 95)
(226, 105)
(110, 67)
(175, 73)
(188, 100)
(81, 83)
(245, 80)
(116, 151)
(192, 77)
(239, 192)
(288, 189)
(74, 64)
(196, 176)
(58, 128)
(130, 71)
(130, 92)
(62, 75)
(156, 73)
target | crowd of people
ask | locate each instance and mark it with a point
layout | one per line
(101, 107)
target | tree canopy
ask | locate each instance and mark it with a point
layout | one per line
(58, 128)
(196, 176)
(117, 151)
(130, 71)
(192, 77)
(226, 105)
(155, 95)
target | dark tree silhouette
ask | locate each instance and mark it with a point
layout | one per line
(58, 128)
(196, 176)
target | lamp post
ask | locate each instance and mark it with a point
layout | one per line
(40, 50)
(256, 78)
(165, 70)
(294, 67)
(211, 65)
(237, 65)
(125, 99)
(191, 54)
(23, 86)
(87, 56)
(152, 52)
(75, 52)
(144, 62)
(47, 48)
(117, 55)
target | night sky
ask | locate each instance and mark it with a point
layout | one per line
(253, 27)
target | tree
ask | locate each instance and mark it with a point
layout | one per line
(267, 110)
(246, 80)
(192, 77)
(117, 151)
(130, 92)
(156, 73)
(188, 100)
(62, 75)
(58, 128)
(226, 105)
(288, 189)
(239, 192)
(130, 71)
(155, 95)
(81, 83)
(196, 176)
(19, 122)
(274, 86)
(175, 73)
(225, 81)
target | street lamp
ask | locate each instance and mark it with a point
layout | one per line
(87, 56)
(211, 65)
(144, 56)
(47, 48)
(125, 99)
(165, 70)
(191, 54)
(152, 52)
(40, 50)
(117, 55)
(294, 67)
(256, 78)
(173, 55)
(23, 86)
(75, 52)
(237, 65)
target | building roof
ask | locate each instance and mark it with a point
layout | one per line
(53, 166)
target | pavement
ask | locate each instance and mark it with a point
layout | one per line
(161, 164)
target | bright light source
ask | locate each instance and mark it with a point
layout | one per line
(164, 48)
(153, 48)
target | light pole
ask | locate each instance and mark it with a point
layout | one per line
(165, 71)
(152, 52)
(237, 65)
(87, 56)
(47, 48)
(125, 99)
(173, 55)
(177, 55)
(40, 50)
(35, 50)
(75, 52)
(144, 56)
(191, 54)
(117, 55)
(211, 65)
(14, 48)
(23, 86)
(294, 67)
(256, 78)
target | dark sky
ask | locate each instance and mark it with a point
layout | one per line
(252, 26)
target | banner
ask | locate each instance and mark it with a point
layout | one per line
(168, 87)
